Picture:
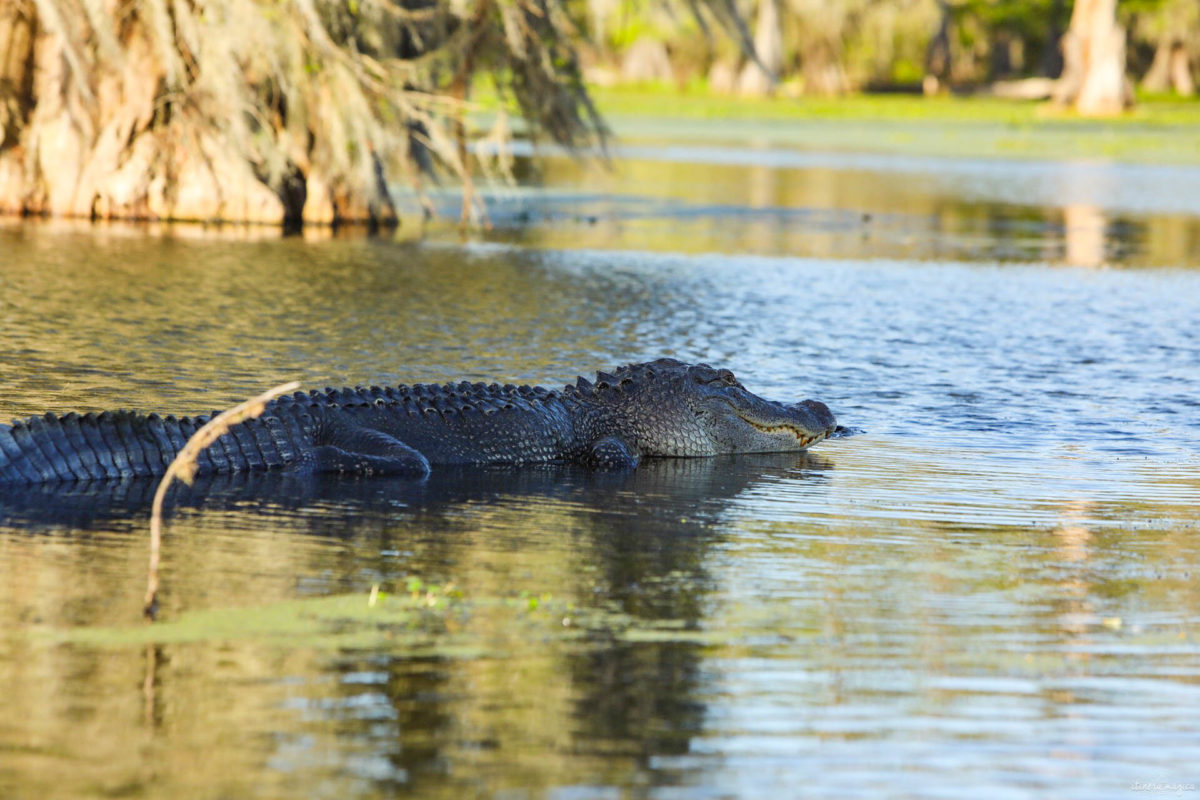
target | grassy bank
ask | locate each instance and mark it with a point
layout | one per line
(668, 101)
(1158, 130)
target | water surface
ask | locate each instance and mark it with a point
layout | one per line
(990, 591)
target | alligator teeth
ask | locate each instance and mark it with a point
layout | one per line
(801, 437)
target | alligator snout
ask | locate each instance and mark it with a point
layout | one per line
(820, 414)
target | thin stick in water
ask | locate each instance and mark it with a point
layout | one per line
(184, 466)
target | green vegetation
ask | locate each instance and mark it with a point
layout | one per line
(662, 101)
(422, 617)
(843, 46)
(442, 620)
(1159, 130)
(357, 620)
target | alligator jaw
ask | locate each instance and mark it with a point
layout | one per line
(804, 439)
(813, 421)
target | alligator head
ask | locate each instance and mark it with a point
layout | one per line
(669, 408)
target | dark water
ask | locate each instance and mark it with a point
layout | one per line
(990, 592)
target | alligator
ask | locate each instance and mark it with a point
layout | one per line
(663, 408)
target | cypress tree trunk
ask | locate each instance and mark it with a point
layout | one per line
(1171, 68)
(937, 53)
(259, 111)
(103, 135)
(760, 76)
(18, 29)
(1181, 71)
(1093, 77)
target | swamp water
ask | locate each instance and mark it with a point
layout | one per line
(990, 592)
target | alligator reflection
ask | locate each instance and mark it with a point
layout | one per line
(694, 488)
(634, 544)
(631, 549)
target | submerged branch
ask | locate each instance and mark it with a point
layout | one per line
(184, 467)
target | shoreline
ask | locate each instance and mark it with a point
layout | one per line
(1157, 131)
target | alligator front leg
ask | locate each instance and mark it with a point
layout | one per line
(349, 448)
(611, 453)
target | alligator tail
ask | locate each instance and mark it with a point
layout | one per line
(127, 444)
(74, 447)
(90, 446)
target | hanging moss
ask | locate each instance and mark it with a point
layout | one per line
(282, 113)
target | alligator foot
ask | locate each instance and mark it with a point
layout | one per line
(357, 450)
(327, 458)
(613, 454)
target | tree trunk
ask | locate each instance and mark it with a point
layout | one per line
(1171, 69)
(822, 69)
(937, 54)
(18, 27)
(93, 142)
(1093, 77)
(1158, 77)
(262, 112)
(17, 30)
(1052, 55)
(1181, 71)
(760, 77)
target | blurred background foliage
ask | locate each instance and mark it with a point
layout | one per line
(843, 46)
